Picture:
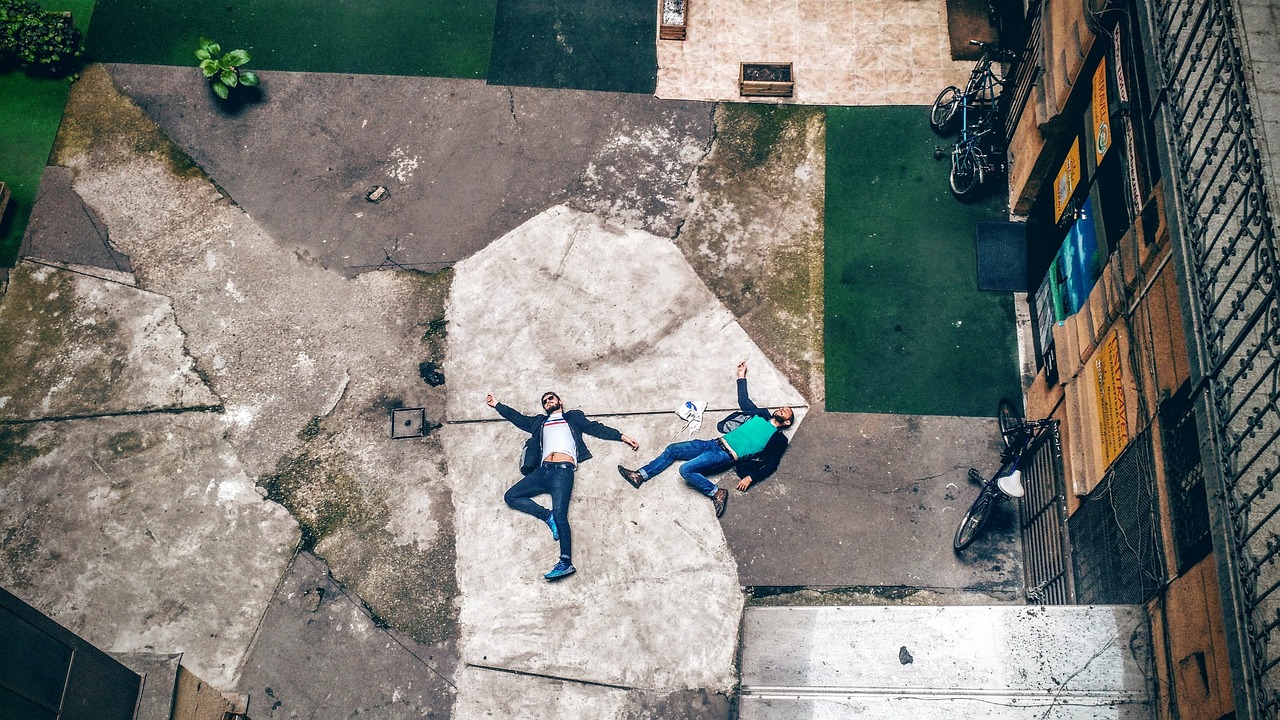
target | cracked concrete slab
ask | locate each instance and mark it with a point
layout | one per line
(463, 162)
(625, 617)
(63, 230)
(875, 501)
(622, 327)
(614, 319)
(142, 534)
(308, 364)
(319, 654)
(73, 345)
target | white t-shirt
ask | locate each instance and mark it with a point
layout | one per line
(557, 438)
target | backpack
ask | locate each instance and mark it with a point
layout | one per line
(732, 421)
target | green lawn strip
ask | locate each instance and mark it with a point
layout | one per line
(907, 330)
(582, 44)
(30, 110)
(376, 37)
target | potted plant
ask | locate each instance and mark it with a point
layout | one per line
(224, 70)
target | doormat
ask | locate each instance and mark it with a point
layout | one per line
(1002, 256)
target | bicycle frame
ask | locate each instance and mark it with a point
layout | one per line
(1004, 484)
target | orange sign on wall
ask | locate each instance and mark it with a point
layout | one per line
(1101, 113)
(1064, 186)
(1112, 420)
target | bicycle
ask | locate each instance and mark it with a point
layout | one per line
(1017, 434)
(974, 159)
(982, 90)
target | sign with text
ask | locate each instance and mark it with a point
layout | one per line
(1064, 186)
(1101, 113)
(1112, 420)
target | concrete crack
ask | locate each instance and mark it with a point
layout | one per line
(561, 678)
(122, 413)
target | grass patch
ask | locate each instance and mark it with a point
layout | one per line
(377, 37)
(907, 330)
(581, 44)
(30, 109)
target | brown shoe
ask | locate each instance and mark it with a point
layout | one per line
(721, 501)
(631, 476)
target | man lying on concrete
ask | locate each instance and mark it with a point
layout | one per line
(551, 454)
(754, 448)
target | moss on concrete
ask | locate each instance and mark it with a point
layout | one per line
(410, 586)
(755, 234)
(317, 487)
(41, 327)
(18, 448)
(431, 292)
(99, 116)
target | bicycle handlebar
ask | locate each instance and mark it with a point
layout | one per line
(994, 50)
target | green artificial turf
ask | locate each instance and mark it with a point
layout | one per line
(580, 44)
(907, 330)
(377, 37)
(30, 110)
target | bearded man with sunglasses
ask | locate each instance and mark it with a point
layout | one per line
(551, 454)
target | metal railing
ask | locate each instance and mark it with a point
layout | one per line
(1226, 245)
(1029, 68)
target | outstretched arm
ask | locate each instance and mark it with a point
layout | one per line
(744, 401)
(590, 427)
(520, 420)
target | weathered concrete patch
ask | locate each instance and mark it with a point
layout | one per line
(319, 655)
(613, 318)
(463, 162)
(143, 533)
(519, 696)
(754, 233)
(309, 364)
(65, 231)
(74, 345)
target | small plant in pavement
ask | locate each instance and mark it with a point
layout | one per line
(224, 70)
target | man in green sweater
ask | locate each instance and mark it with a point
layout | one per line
(754, 447)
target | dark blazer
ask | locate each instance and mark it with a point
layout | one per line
(762, 464)
(579, 425)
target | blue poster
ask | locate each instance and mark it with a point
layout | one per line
(1077, 266)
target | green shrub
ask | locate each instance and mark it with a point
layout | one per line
(223, 69)
(37, 40)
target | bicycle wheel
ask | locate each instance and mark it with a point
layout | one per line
(945, 109)
(1010, 422)
(974, 520)
(966, 172)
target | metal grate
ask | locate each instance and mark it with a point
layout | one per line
(1026, 75)
(1225, 240)
(1043, 513)
(1115, 537)
(1184, 477)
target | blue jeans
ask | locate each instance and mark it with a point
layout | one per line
(556, 480)
(704, 456)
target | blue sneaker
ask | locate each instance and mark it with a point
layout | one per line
(551, 523)
(564, 568)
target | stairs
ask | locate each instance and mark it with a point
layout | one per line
(944, 663)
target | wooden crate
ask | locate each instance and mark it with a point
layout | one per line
(675, 15)
(765, 80)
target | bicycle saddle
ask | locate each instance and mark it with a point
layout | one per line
(1011, 484)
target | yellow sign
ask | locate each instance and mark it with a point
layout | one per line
(1064, 186)
(1101, 113)
(1112, 422)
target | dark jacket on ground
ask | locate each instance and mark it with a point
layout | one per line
(578, 423)
(762, 464)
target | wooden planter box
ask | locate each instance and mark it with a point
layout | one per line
(675, 13)
(765, 80)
